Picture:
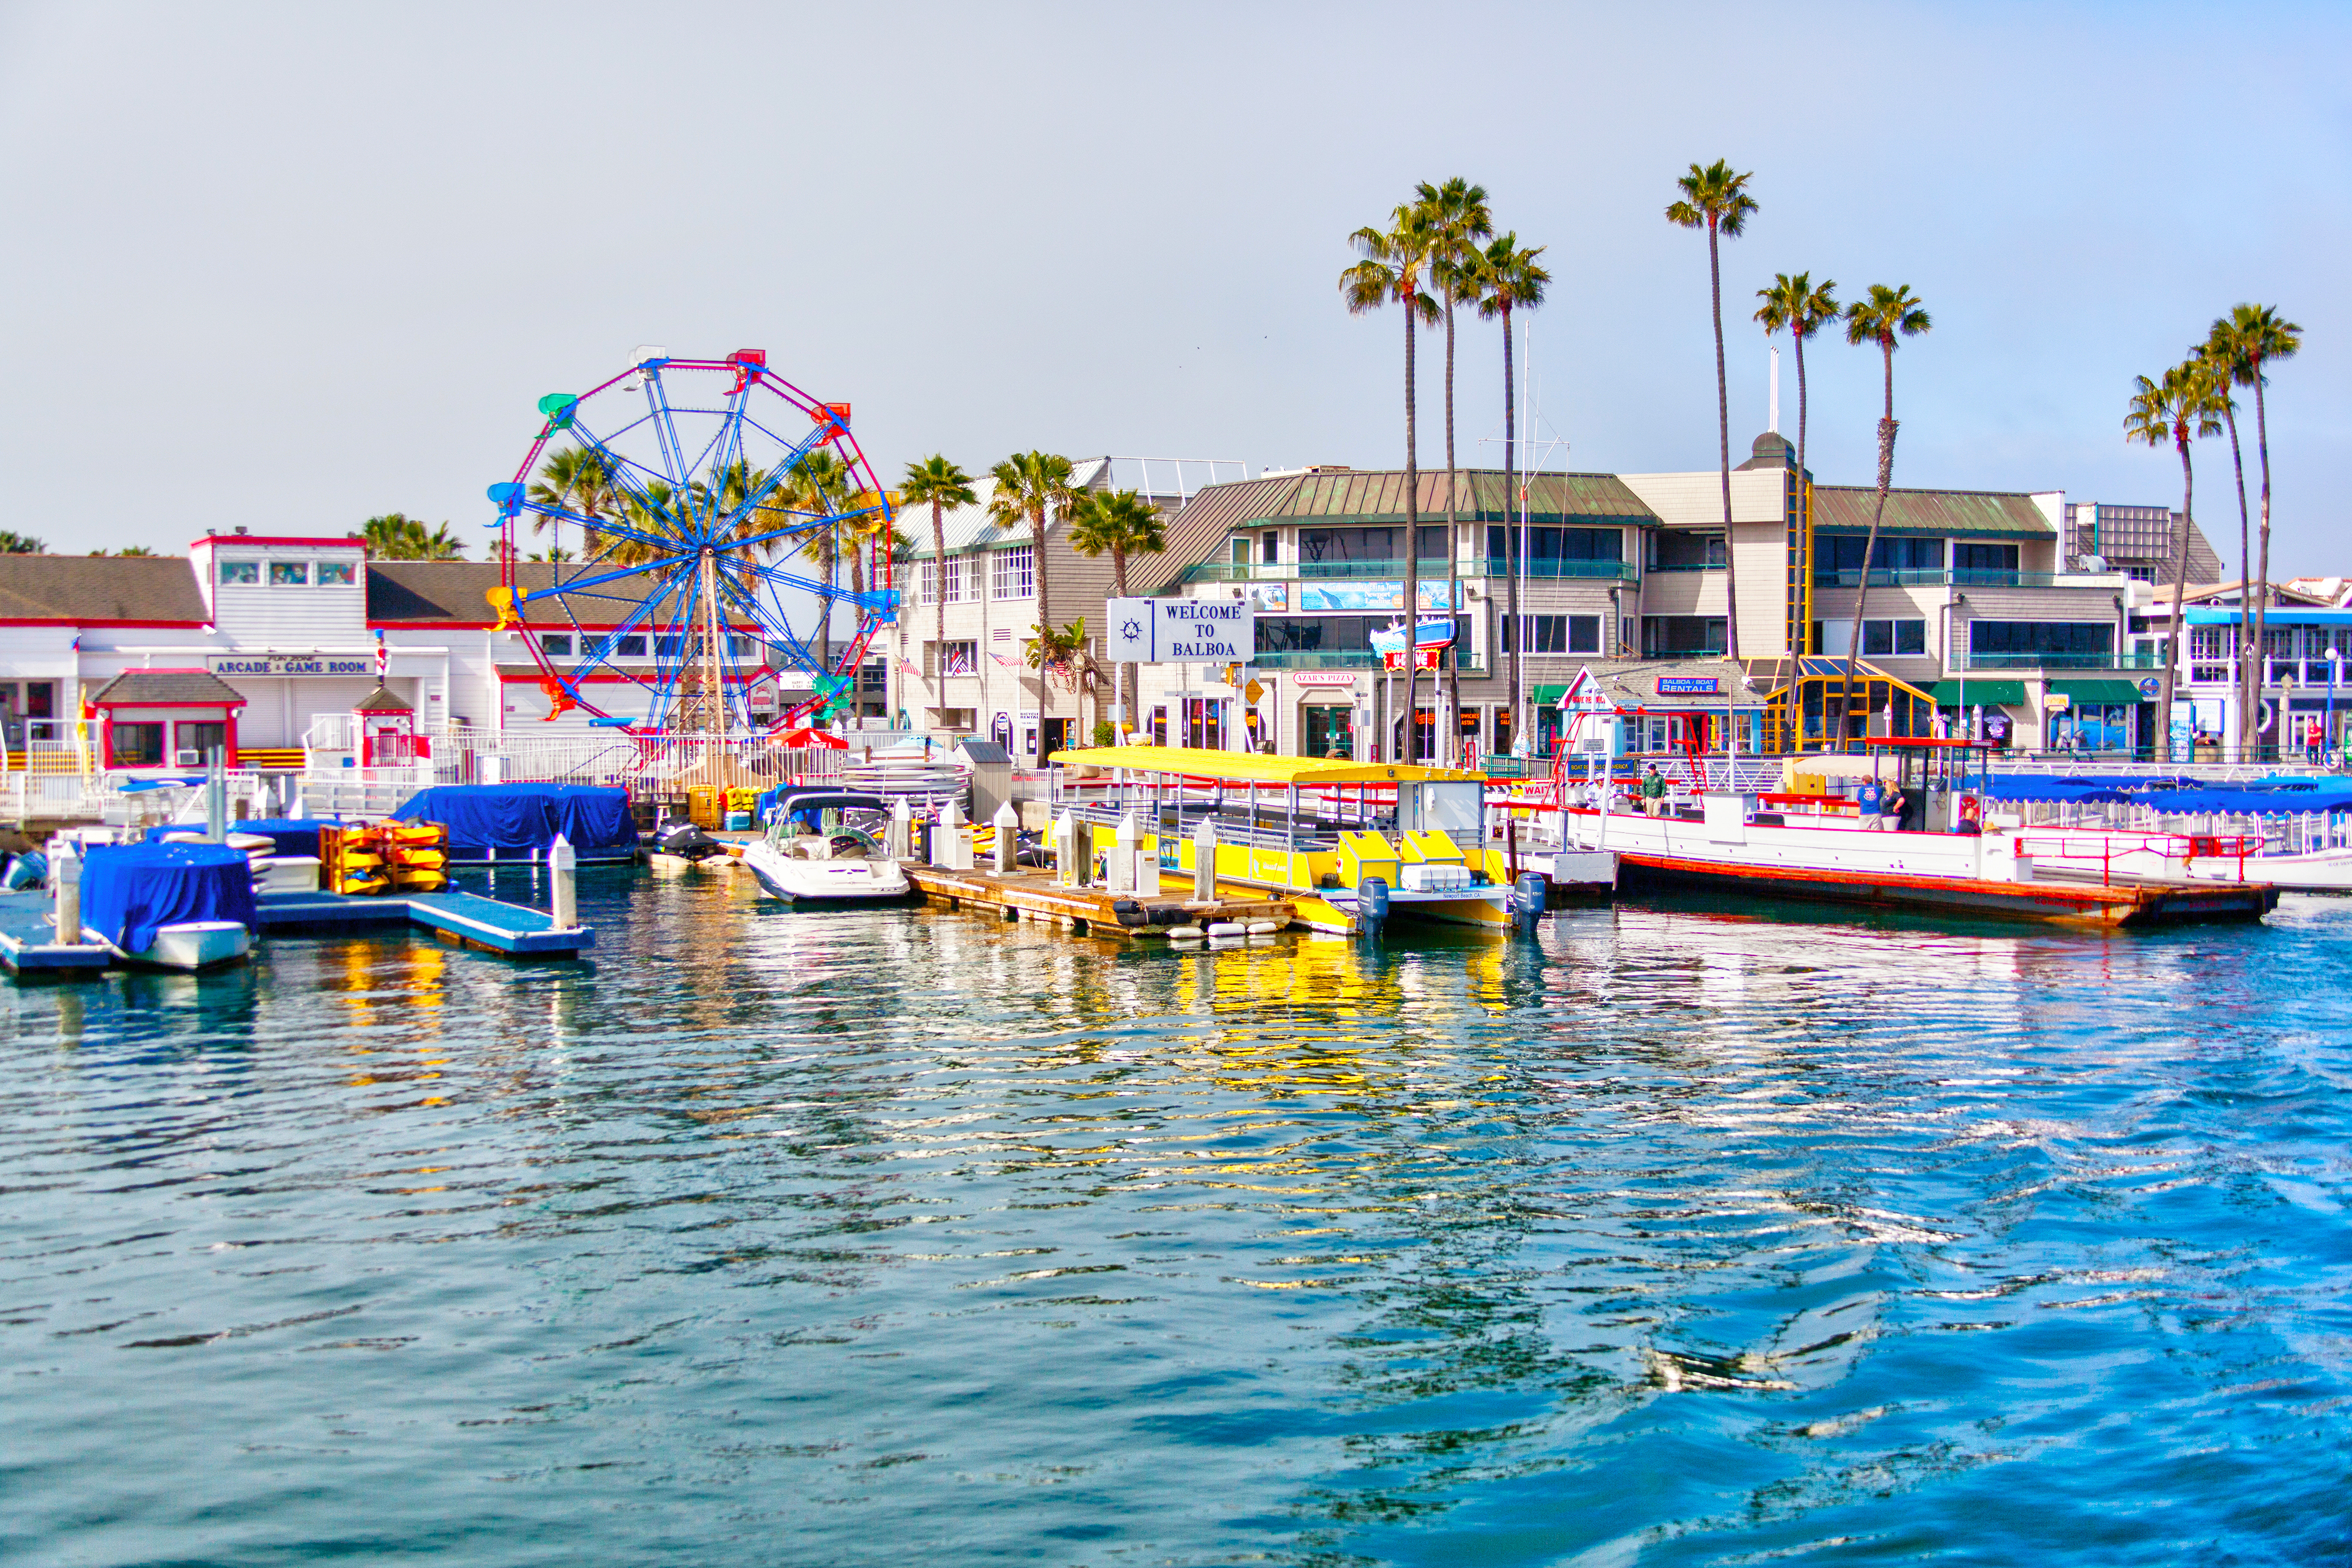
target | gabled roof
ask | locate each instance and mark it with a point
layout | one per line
(167, 688)
(454, 593)
(1847, 507)
(89, 589)
(383, 701)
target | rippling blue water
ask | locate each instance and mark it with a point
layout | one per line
(897, 1237)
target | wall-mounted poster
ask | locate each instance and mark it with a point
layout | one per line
(1348, 595)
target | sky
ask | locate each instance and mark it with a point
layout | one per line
(290, 268)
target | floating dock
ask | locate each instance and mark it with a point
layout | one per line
(1034, 895)
(501, 927)
(28, 943)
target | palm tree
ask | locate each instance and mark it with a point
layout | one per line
(1716, 199)
(578, 480)
(1888, 314)
(1803, 309)
(2225, 356)
(820, 487)
(2182, 407)
(1030, 487)
(1508, 280)
(1391, 272)
(939, 484)
(396, 537)
(1124, 523)
(2263, 335)
(1457, 213)
(13, 543)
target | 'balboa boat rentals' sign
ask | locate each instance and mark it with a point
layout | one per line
(1180, 631)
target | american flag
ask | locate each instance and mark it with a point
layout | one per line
(1006, 660)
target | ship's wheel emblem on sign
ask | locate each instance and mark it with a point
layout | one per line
(1132, 631)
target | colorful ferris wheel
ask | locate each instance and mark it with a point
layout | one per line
(685, 536)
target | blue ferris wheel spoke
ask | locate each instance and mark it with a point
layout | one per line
(873, 602)
(665, 426)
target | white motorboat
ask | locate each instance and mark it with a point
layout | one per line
(839, 865)
(191, 945)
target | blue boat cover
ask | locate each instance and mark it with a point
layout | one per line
(129, 890)
(291, 835)
(526, 817)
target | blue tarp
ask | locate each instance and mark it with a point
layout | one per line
(129, 890)
(516, 819)
(291, 835)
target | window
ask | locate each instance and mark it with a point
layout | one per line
(1270, 547)
(1685, 549)
(1837, 557)
(669, 645)
(1239, 549)
(337, 574)
(1334, 545)
(927, 588)
(556, 645)
(962, 578)
(137, 745)
(2022, 640)
(631, 646)
(239, 572)
(960, 658)
(193, 742)
(1546, 547)
(1665, 636)
(1894, 637)
(1557, 634)
(1584, 633)
(1013, 573)
(289, 573)
(1984, 558)
(741, 647)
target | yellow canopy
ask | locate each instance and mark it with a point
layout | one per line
(1251, 768)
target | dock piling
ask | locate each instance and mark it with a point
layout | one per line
(563, 871)
(65, 882)
(1067, 869)
(1007, 822)
(902, 829)
(1129, 834)
(1204, 861)
(954, 850)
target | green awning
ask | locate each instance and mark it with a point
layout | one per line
(2088, 690)
(1545, 694)
(1987, 694)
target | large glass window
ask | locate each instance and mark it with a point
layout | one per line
(927, 585)
(1837, 556)
(1555, 634)
(631, 646)
(1546, 547)
(2076, 639)
(289, 573)
(337, 574)
(1682, 549)
(1317, 545)
(1668, 636)
(1967, 557)
(556, 645)
(960, 658)
(1893, 637)
(238, 573)
(192, 741)
(1015, 573)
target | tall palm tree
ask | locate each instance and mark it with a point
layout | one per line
(1457, 213)
(1801, 308)
(1123, 524)
(1030, 486)
(14, 543)
(1394, 262)
(939, 484)
(2180, 408)
(1508, 280)
(2263, 335)
(1715, 199)
(397, 537)
(1888, 314)
(2224, 355)
(579, 480)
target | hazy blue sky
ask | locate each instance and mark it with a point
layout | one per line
(290, 268)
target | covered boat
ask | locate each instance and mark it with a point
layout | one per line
(176, 906)
(518, 821)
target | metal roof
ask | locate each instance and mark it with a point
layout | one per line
(969, 527)
(1379, 494)
(1847, 508)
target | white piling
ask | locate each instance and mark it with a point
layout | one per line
(1204, 861)
(958, 837)
(1066, 869)
(65, 883)
(563, 869)
(902, 821)
(1008, 839)
(1122, 853)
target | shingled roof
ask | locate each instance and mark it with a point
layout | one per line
(167, 688)
(454, 593)
(82, 588)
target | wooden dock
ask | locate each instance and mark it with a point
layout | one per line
(1034, 895)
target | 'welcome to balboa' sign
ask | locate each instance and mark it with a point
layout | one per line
(1180, 631)
(291, 664)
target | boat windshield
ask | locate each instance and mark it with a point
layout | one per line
(844, 842)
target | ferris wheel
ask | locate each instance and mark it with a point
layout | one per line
(697, 524)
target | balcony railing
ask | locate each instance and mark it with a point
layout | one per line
(2085, 579)
(1659, 566)
(1339, 659)
(1428, 569)
(1588, 570)
(2057, 661)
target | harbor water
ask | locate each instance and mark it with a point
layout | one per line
(1680, 1235)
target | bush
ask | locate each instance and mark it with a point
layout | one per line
(1106, 733)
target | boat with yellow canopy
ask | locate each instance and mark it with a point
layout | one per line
(1316, 829)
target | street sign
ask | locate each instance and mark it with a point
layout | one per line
(2150, 687)
(1179, 631)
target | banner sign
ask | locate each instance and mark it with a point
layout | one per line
(1180, 631)
(1393, 659)
(1690, 685)
(362, 665)
(1349, 595)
